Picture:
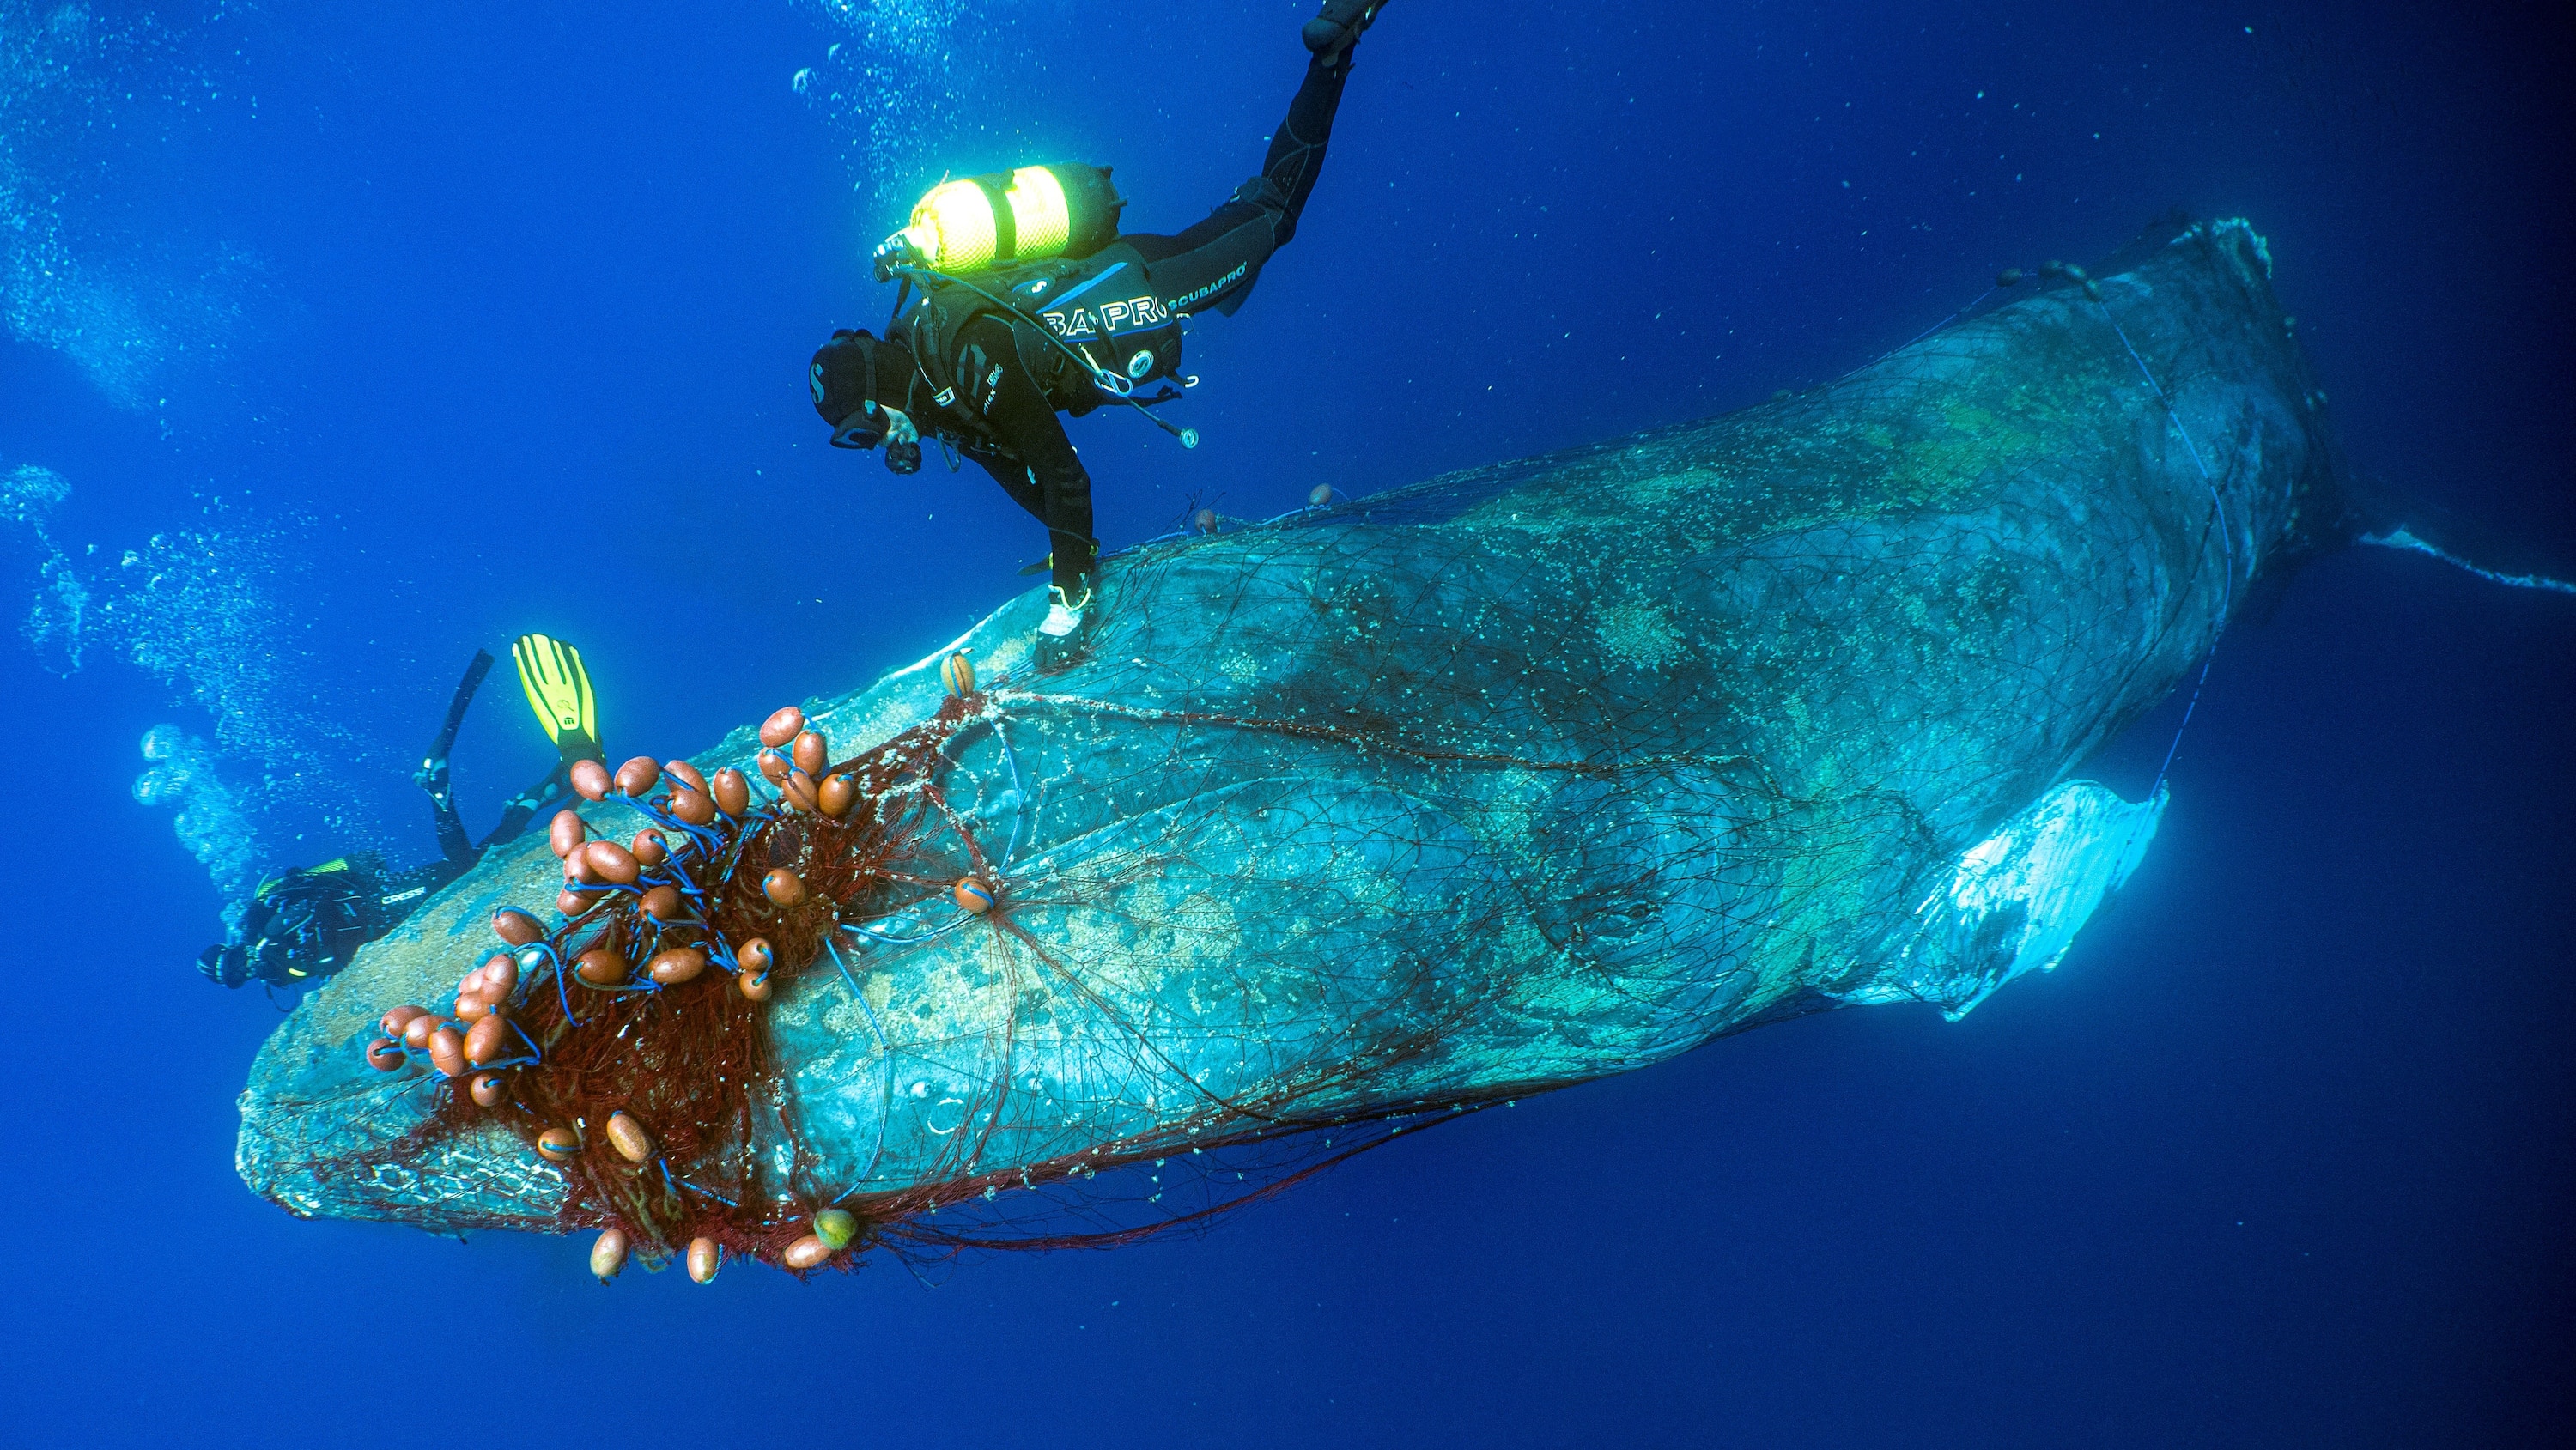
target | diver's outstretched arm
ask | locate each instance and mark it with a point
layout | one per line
(1055, 487)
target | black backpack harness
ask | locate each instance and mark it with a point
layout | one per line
(1090, 330)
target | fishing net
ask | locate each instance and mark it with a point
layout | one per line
(1347, 822)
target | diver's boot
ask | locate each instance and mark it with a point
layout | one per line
(1331, 33)
(1064, 616)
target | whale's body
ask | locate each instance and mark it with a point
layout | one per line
(1513, 779)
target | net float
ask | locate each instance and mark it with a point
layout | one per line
(773, 766)
(958, 673)
(566, 832)
(836, 1227)
(835, 796)
(1206, 520)
(557, 1145)
(472, 1009)
(805, 1253)
(601, 966)
(415, 1033)
(628, 1137)
(517, 927)
(489, 1041)
(447, 1051)
(754, 985)
(974, 895)
(639, 775)
(704, 1259)
(1320, 495)
(577, 868)
(811, 752)
(2008, 277)
(783, 887)
(754, 955)
(614, 863)
(385, 1055)
(732, 792)
(572, 903)
(590, 780)
(662, 904)
(694, 807)
(501, 976)
(651, 849)
(399, 1018)
(608, 1253)
(679, 964)
(781, 726)
(489, 1089)
(686, 774)
(798, 787)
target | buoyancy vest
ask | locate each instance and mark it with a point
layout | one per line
(1101, 309)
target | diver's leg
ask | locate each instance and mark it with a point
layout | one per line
(1297, 148)
(1211, 266)
(523, 807)
(432, 775)
(453, 843)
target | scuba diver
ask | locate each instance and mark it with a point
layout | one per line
(304, 925)
(1031, 302)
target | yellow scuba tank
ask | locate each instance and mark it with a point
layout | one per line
(1026, 215)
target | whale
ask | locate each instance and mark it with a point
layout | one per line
(1337, 825)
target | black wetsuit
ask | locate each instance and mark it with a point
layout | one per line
(1013, 430)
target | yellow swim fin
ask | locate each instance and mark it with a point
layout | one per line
(559, 692)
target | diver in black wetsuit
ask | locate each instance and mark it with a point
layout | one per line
(304, 924)
(972, 363)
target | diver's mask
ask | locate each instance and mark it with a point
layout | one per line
(861, 429)
(875, 423)
(224, 966)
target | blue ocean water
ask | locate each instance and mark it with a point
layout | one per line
(341, 342)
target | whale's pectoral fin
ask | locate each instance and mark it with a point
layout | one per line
(2015, 900)
(2405, 537)
(2387, 519)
